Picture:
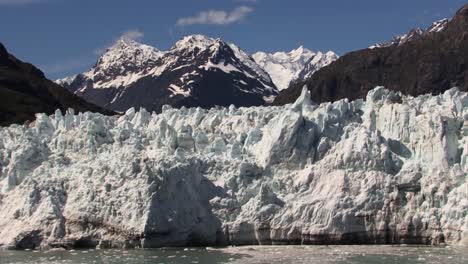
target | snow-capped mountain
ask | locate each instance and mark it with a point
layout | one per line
(317, 62)
(122, 64)
(196, 71)
(285, 67)
(414, 34)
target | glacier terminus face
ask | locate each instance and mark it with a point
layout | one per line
(388, 169)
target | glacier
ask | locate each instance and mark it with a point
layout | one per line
(385, 170)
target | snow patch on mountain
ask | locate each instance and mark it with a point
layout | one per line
(438, 26)
(177, 90)
(390, 169)
(66, 80)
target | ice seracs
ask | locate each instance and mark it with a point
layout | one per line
(390, 169)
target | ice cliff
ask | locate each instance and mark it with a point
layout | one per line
(390, 169)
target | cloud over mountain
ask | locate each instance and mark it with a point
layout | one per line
(216, 17)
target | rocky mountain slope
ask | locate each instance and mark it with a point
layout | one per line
(430, 61)
(297, 64)
(391, 169)
(416, 33)
(319, 61)
(197, 71)
(25, 91)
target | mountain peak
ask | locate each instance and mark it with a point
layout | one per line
(125, 41)
(195, 41)
(125, 44)
(297, 54)
(126, 55)
(300, 49)
(438, 26)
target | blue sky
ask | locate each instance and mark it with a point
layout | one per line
(63, 37)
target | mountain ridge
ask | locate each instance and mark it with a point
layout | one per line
(196, 71)
(432, 63)
(25, 91)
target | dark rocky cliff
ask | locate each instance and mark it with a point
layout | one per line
(431, 63)
(25, 91)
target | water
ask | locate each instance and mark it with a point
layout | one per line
(273, 254)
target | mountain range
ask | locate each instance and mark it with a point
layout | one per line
(196, 71)
(199, 71)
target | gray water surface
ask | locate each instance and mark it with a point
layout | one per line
(260, 254)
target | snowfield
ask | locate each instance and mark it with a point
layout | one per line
(390, 169)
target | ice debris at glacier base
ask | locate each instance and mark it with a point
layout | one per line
(390, 169)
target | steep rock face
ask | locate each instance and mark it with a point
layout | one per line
(197, 71)
(391, 169)
(430, 61)
(24, 91)
(297, 64)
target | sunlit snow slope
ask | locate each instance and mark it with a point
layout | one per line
(391, 169)
(297, 64)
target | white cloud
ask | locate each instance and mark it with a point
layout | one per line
(216, 17)
(18, 2)
(133, 34)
